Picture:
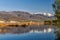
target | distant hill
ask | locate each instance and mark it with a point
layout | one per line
(20, 15)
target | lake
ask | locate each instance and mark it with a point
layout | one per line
(33, 34)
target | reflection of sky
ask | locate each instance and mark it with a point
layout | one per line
(28, 36)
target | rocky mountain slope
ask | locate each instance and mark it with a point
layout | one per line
(20, 15)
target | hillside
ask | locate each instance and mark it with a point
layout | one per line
(20, 15)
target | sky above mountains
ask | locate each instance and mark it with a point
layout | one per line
(27, 5)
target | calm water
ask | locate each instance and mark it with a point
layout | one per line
(44, 34)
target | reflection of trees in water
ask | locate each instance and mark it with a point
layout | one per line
(4, 30)
(58, 35)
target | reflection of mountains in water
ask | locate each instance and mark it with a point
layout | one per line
(42, 31)
(18, 30)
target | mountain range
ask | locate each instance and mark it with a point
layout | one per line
(21, 15)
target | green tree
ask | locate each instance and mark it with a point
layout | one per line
(56, 8)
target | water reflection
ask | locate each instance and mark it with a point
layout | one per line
(18, 30)
(42, 31)
(28, 36)
(27, 33)
(57, 35)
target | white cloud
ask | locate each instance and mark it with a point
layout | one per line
(38, 13)
(46, 14)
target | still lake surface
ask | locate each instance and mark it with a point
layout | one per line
(44, 34)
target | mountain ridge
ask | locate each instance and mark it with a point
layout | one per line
(21, 15)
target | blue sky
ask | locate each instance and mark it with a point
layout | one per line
(27, 5)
